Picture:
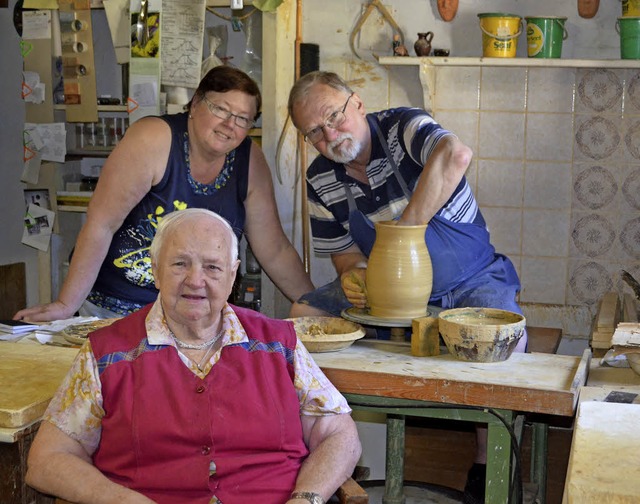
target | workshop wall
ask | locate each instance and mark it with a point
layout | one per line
(535, 135)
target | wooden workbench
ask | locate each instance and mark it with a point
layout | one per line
(604, 463)
(29, 376)
(384, 376)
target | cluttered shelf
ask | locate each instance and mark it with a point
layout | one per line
(506, 62)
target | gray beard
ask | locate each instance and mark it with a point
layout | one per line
(343, 153)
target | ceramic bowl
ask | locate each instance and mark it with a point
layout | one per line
(481, 334)
(326, 334)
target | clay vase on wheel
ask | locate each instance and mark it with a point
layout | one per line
(399, 275)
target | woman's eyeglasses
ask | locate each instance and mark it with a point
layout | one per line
(223, 113)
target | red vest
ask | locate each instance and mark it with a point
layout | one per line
(164, 427)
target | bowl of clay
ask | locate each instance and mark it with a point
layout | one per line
(481, 334)
(326, 334)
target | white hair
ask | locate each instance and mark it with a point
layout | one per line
(169, 223)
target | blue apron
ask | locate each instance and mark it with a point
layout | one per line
(458, 250)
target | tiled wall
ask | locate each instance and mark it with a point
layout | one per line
(556, 171)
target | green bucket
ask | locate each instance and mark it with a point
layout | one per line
(545, 36)
(629, 30)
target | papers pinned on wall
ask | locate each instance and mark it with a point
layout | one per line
(38, 226)
(144, 66)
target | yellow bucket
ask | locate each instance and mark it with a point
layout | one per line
(500, 34)
(630, 8)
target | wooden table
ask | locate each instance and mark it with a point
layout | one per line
(604, 463)
(29, 376)
(383, 376)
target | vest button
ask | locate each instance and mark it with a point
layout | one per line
(200, 389)
(206, 450)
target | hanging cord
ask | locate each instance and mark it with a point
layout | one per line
(281, 138)
(231, 18)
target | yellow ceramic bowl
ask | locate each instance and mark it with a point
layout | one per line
(326, 334)
(481, 334)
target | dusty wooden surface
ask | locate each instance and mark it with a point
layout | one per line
(604, 464)
(29, 376)
(539, 383)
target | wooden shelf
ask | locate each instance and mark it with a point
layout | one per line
(101, 108)
(72, 208)
(507, 62)
(428, 66)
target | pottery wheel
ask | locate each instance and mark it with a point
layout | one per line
(362, 316)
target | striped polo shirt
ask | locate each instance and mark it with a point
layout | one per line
(411, 135)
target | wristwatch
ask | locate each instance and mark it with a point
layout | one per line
(312, 497)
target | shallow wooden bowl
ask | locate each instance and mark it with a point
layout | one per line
(326, 334)
(481, 334)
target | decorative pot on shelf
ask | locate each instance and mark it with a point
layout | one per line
(422, 46)
(399, 276)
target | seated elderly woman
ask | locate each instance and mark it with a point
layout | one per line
(192, 400)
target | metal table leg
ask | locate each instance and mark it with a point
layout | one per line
(498, 461)
(539, 445)
(394, 467)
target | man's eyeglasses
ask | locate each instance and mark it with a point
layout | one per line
(334, 121)
(223, 113)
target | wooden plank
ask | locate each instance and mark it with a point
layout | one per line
(609, 312)
(13, 289)
(543, 339)
(629, 309)
(425, 338)
(604, 465)
(539, 383)
(29, 376)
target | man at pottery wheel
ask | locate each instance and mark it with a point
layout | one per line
(394, 164)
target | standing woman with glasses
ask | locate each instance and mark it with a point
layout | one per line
(200, 158)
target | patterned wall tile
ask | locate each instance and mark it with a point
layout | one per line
(595, 187)
(630, 238)
(631, 134)
(597, 138)
(632, 93)
(593, 235)
(588, 282)
(631, 188)
(599, 90)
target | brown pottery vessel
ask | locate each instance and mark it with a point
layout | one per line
(399, 275)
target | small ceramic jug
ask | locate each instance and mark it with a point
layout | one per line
(422, 46)
(399, 275)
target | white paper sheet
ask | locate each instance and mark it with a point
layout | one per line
(182, 39)
(38, 226)
(49, 140)
(36, 24)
